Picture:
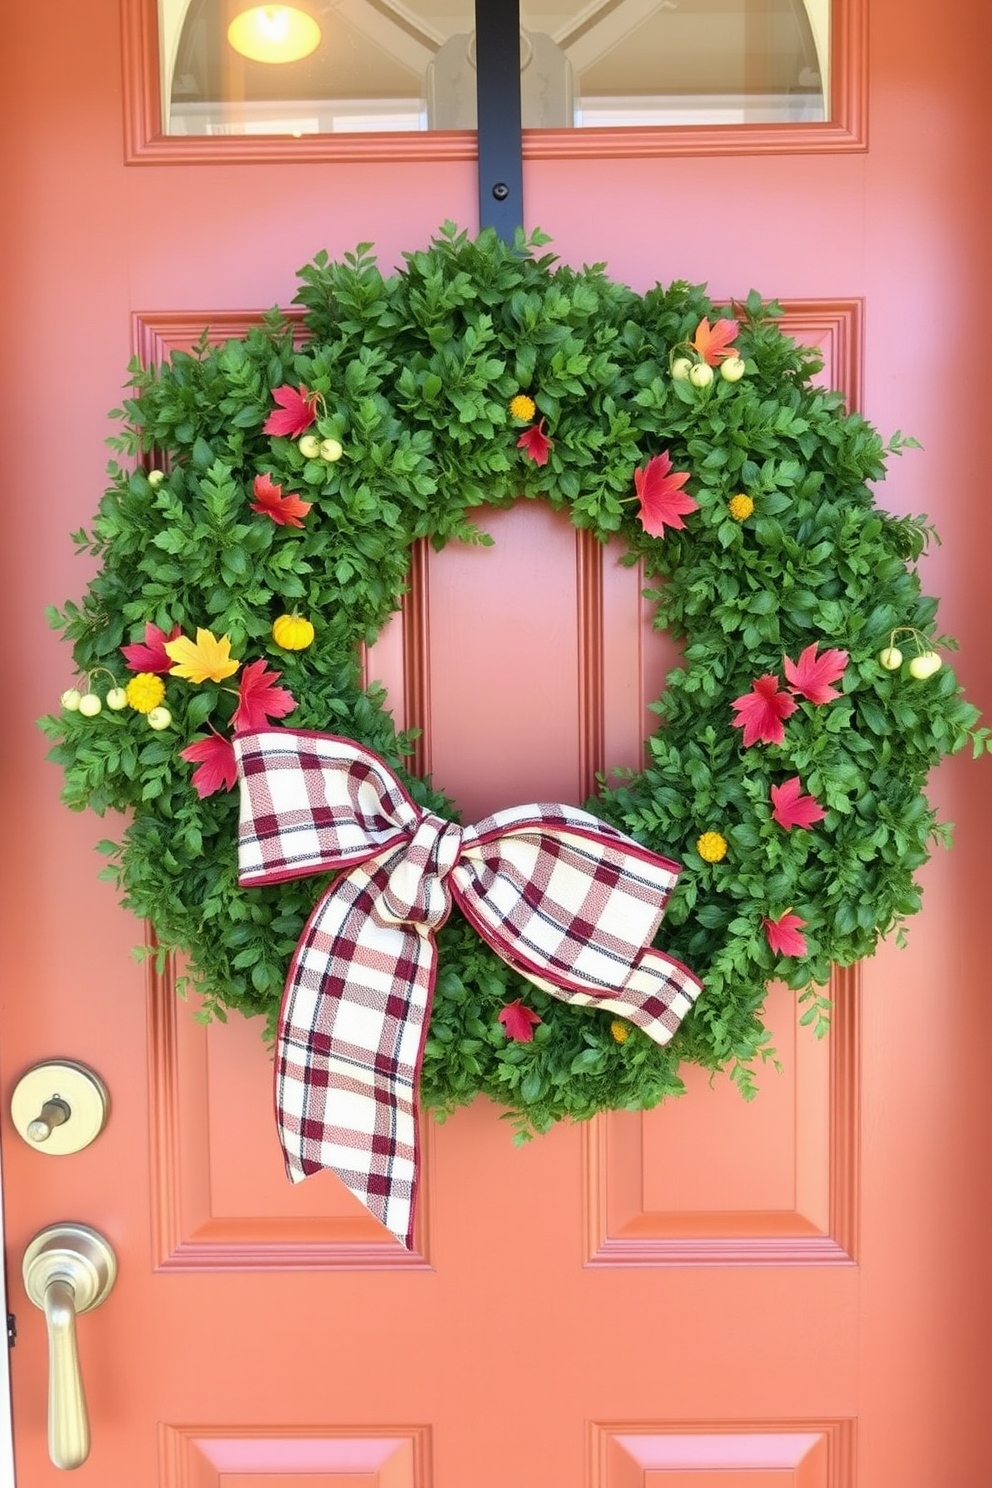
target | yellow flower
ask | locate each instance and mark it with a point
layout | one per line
(620, 1031)
(145, 692)
(711, 847)
(523, 407)
(205, 658)
(740, 507)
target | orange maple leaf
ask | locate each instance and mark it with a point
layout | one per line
(712, 342)
(285, 511)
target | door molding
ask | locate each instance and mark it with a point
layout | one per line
(6, 1431)
(846, 131)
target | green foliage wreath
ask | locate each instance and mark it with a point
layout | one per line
(779, 574)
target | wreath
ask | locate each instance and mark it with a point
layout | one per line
(261, 510)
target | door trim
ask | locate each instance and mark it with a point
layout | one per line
(845, 133)
(6, 1430)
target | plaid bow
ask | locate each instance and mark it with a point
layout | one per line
(566, 900)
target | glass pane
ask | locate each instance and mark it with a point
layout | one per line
(401, 65)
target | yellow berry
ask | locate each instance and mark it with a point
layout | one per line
(293, 632)
(117, 699)
(159, 718)
(70, 699)
(309, 446)
(681, 367)
(89, 705)
(711, 847)
(145, 692)
(701, 375)
(732, 369)
(331, 450)
(156, 477)
(890, 657)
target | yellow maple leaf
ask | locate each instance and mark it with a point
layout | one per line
(206, 658)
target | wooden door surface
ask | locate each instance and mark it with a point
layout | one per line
(712, 1295)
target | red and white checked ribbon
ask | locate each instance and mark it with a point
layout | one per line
(565, 899)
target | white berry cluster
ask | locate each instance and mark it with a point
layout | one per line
(89, 703)
(312, 448)
(701, 374)
(924, 664)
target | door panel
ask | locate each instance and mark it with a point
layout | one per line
(710, 1294)
(220, 1199)
(255, 1457)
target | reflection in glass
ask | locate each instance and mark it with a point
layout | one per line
(401, 65)
(274, 33)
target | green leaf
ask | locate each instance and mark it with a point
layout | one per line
(200, 707)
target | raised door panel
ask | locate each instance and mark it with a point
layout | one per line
(220, 1198)
(706, 1181)
(203, 1456)
(723, 1454)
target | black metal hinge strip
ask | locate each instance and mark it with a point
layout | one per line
(501, 173)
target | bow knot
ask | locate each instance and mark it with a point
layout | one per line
(415, 892)
(568, 901)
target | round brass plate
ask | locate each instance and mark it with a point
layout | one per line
(74, 1086)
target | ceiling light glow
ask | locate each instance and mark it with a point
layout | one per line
(274, 33)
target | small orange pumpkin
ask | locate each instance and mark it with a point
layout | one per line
(292, 632)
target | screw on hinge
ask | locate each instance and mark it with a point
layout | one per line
(11, 1329)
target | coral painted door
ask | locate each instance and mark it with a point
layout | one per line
(712, 1295)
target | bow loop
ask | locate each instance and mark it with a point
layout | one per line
(311, 802)
(568, 901)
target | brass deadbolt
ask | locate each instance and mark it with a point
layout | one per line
(59, 1106)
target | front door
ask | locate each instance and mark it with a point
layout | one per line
(712, 1295)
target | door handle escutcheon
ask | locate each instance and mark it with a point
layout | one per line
(68, 1269)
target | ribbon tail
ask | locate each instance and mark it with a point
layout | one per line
(573, 906)
(352, 1027)
(657, 994)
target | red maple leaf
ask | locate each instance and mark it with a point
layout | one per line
(712, 342)
(519, 1021)
(296, 412)
(287, 511)
(811, 674)
(535, 443)
(784, 934)
(792, 809)
(663, 502)
(216, 767)
(259, 699)
(761, 712)
(151, 655)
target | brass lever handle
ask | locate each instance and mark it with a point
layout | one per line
(68, 1424)
(68, 1269)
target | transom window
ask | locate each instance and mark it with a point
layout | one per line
(410, 65)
